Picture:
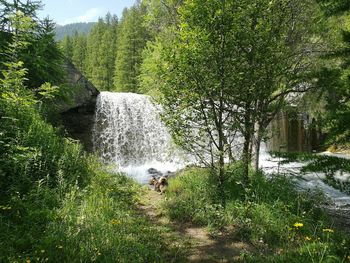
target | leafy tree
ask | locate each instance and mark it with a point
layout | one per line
(231, 66)
(333, 77)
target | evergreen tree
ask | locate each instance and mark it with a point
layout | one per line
(108, 52)
(42, 56)
(132, 40)
(101, 52)
(93, 58)
(67, 47)
(79, 51)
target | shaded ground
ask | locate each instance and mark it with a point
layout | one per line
(201, 245)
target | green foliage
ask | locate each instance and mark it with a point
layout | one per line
(132, 40)
(100, 223)
(101, 53)
(332, 107)
(271, 214)
(67, 47)
(190, 198)
(39, 52)
(150, 77)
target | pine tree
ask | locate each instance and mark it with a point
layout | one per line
(41, 56)
(133, 37)
(67, 47)
(79, 51)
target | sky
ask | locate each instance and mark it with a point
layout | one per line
(72, 11)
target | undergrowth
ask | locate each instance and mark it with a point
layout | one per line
(59, 205)
(282, 224)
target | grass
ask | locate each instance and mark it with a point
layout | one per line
(283, 225)
(59, 205)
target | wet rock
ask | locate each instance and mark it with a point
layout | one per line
(154, 173)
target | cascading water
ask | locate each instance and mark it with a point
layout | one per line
(129, 133)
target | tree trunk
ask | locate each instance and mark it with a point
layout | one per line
(257, 150)
(221, 158)
(246, 159)
(257, 142)
(246, 148)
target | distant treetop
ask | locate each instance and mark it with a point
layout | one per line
(70, 29)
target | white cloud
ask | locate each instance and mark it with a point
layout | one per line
(90, 15)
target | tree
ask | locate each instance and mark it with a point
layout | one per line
(333, 78)
(79, 51)
(101, 53)
(132, 40)
(41, 56)
(67, 47)
(278, 44)
(231, 66)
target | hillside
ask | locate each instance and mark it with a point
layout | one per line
(62, 31)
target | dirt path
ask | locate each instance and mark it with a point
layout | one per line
(203, 247)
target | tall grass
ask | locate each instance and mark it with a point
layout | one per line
(59, 205)
(283, 224)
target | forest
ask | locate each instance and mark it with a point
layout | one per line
(221, 70)
(69, 29)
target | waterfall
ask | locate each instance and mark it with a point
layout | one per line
(128, 132)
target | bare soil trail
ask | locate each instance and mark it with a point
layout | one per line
(201, 246)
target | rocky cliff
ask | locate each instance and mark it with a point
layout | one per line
(78, 114)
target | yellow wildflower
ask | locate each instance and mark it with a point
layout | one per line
(297, 225)
(27, 260)
(328, 230)
(60, 247)
(115, 222)
(348, 257)
(42, 251)
(308, 238)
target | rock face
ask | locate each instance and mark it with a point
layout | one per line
(290, 132)
(78, 115)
